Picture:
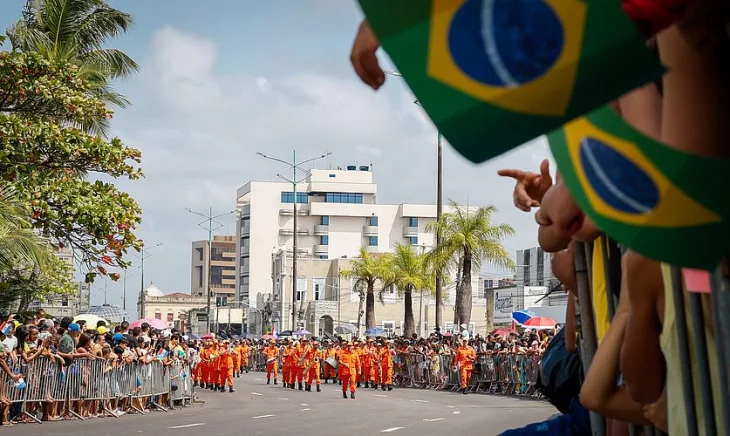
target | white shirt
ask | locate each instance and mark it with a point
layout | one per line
(465, 335)
(10, 343)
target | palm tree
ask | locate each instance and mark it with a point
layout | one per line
(18, 243)
(76, 31)
(367, 270)
(469, 239)
(408, 272)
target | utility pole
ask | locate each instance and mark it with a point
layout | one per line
(144, 254)
(294, 165)
(210, 224)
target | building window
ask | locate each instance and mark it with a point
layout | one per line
(301, 289)
(244, 280)
(244, 241)
(245, 221)
(288, 197)
(64, 302)
(413, 240)
(325, 220)
(389, 327)
(158, 315)
(199, 272)
(331, 176)
(373, 221)
(323, 257)
(324, 240)
(319, 288)
(244, 261)
(372, 241)
(170, 317)
(342, 197)
(413, 221)
(200, 253)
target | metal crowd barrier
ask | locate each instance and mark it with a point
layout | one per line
(96, 383)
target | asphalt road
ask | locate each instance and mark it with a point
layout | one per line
(260, 409)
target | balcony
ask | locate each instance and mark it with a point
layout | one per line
(410, 232)
(245, 230)
(372, 248)
(246, 210)
(370, 230)
(244, 269)
(290, 211)
(321, 249)
(300, 232)
(321, 230)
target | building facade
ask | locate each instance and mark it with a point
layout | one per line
(66, 305)
(214, 263)
(337, 214)
(324, 301)
(175, 309)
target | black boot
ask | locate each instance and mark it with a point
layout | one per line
(300, 386)
(344, 394)
(319, 389)
(352, 395)
(366, 385)
(465, 391)
(231, 390)
(195, 384)
(291, 385)
(325, 381)
(339, 382)
(358, 385)
(390, 388)
(307, 388)
(383, 387)
(203, 385)
(268, 381)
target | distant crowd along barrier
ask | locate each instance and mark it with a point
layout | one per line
(506, 374)
(49, 389)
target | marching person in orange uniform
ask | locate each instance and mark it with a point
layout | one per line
(312, 360)
(302, 350)
(272, 366)
(237, 359)
(294, 364)
(357, 349)
(244, 352)
(376, 373)
(329, 370)
(228, 362)
(464, 362)
(202, 368)
(287, 353)
(214, 373)
(386, 362)
(347, 363)
(366, 361)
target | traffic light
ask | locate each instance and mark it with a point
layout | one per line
(217, 301)
(224, 301)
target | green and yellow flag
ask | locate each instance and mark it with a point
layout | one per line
(665, 204)
(494, 74)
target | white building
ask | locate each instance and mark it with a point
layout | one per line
(337, 214)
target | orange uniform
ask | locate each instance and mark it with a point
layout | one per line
(386, 365)
(298, 368)
(245, 350)
(272, 366)
(347, 362)
(366, 363)
(329, 371)
(227, 363)
(313, 359)
(464, 360)
(287, 363)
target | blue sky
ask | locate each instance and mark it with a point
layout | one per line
(223, 79)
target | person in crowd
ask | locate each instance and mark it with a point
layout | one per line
(272, 366)
(347, 362)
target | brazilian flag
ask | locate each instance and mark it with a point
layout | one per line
(494, 74)
(665, 204)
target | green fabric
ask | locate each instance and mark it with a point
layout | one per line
(549, 62)
(66, 344)
(665, 204)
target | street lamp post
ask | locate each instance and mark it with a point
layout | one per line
(294, 165)
(144, 254)
(210, 224)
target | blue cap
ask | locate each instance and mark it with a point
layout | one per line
(73, 327)
(118, 337)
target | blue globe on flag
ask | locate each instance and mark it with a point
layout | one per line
(505, 43)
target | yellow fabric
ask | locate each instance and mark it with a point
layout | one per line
(670, 348)
(600, 302)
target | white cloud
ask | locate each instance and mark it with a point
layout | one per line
(202, 130)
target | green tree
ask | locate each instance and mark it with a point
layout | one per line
(408, 272)
(468, 240)
(367, 270)
(49, 161)
(18, 242)
(25, 283)
(77, 32)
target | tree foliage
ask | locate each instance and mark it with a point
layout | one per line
(50, 161)
(409, 272)
(25, 283)
(366, 271)
(468, 240)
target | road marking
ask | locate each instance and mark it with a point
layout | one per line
(381, 396)
(433, 419)
(421, 401)
(258, 379)
(456, 412)
(305, 404)
(284, 399)
(187, 425)
(388, 430)
(256, 393)
(305, 410)
(451, 407)
(262, 416)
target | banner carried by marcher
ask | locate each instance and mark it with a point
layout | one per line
(494, 74)
(644, 194)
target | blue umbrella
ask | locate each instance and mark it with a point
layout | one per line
(521, 316)
(375, 332)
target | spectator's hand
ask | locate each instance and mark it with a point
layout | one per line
(363, 57)
(530, 187)
(17, 377)
(657, 413)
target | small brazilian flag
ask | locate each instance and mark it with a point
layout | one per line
(665, 204)
(494, 74)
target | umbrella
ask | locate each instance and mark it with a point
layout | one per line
(375, 332)
(207, 336)
(346, 328)
(540, 322)
(268, 337)
(503, 331)
(90, 319)
(302, 332)
(523, 315)
(286, 333)
(153, 322)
